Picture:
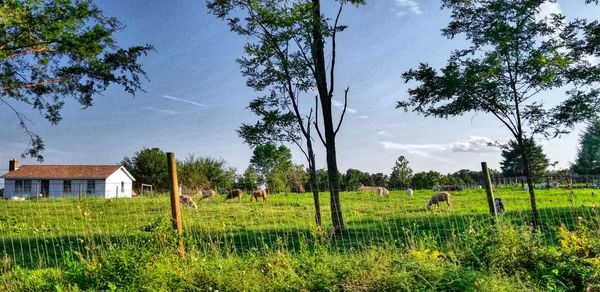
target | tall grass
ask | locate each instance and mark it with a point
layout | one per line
(391, 244)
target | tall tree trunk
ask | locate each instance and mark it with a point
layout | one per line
(313, 182)
(318, 56)
(535, 219)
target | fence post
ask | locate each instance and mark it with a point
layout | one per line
(175, 206)
(488, 189)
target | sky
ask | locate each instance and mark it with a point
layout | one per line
(195, 97)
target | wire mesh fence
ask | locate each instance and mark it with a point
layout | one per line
(41, 231)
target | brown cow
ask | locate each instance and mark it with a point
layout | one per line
(187, 200)
(259, 193)
(236, 193)
(437, 198)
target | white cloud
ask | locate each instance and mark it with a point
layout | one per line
(184, 100)
(594, 60)
(381, 132)
(338, 104)
(404, 6)
(363, 117)
(547, 9)
(164, 111)
(474, 144)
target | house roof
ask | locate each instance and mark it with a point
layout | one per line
(65, 172)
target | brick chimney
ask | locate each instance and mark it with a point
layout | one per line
(13, 165)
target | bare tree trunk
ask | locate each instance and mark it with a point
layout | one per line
(313, 182)
(325, 97)
(535, 219)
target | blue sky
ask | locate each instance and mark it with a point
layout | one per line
(196, 97)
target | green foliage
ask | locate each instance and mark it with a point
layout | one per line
(148, 166)
(205, 172)
(588, 155)
(401, 173)
(512, 162)
(272, 164)
(59, 49)
(426, 180)
(511, 60)
(354, 178)
(248, 180)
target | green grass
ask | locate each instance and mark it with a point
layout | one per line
(45, 239)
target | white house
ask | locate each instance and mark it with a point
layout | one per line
(104, 181)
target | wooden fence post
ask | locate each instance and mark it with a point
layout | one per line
(175, 206)
(488, 189)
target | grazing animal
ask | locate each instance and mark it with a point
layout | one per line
(437, 198)
(409, 192)
(448, 188)
(381, 191)
(236, 193)
(300, 188)
(499, 205)
(187, 200)
(208, 193)
(259, 193)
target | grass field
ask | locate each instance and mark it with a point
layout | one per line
(50, 234)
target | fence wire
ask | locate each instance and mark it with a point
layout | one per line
(44, 231)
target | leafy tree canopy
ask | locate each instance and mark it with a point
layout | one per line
(512, 163)
(514, 57)
(148, 166)
(58, 49)
(267, 159)
(401, 173)
(205, 172)
(588, 155)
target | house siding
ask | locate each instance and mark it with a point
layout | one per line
(9, 188)
(117, 185)
(113, 185)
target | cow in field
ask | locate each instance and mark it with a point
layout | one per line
(259, 193)
(236, 193)
(437, 198)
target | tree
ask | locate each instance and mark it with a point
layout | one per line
(54, 50)
(468, 177)
(379, 179)
(354, 178)
(588, 155)
(148, 166)
(296, 177)
(426, 180)
(205, 172)
(287, 58)
(512, 162)
(248, 180)
(513, 58)
(401, 173)
(270, 161)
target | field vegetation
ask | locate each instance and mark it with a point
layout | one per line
(391, 243)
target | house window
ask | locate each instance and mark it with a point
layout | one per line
(91, 187)
(23, 186)
(66, 187)
(122, 187)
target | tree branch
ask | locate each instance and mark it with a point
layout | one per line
(316, 123)
(332, 69)
(343, 111)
